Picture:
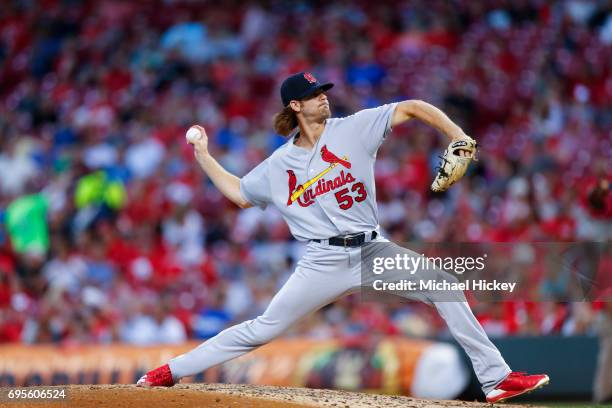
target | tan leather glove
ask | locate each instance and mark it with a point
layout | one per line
(454, 163)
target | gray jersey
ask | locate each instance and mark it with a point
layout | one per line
(329, 190)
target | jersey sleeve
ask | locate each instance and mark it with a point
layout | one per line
(255, 186)
(373, 125)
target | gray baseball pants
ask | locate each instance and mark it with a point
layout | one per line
(324, 274)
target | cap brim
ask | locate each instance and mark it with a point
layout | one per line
(325, 87)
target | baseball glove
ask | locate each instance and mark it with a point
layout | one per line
(452, 165)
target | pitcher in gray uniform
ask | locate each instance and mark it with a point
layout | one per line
(322, 182)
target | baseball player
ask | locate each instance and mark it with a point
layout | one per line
(322, 182)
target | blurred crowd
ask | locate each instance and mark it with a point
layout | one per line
(109, 231)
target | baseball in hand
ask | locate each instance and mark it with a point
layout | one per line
(193, 135)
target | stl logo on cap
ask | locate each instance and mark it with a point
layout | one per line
(310, 78)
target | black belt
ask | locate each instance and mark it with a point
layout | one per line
(349, 241)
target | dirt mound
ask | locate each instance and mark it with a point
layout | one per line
(229, 395)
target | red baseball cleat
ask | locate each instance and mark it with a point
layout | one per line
(516, 384)
(159, 377)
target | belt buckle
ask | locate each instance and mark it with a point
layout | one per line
(345, 240)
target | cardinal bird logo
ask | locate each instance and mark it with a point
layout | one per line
(292, 184)
(329, 157)
(296, 191)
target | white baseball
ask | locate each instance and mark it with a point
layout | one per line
(193, 134)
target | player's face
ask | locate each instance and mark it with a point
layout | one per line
(316, 106)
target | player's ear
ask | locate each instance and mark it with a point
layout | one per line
(296, 105)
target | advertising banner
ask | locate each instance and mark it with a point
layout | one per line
(389, 365)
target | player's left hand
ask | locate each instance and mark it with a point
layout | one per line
(465, 152)
(454, 163)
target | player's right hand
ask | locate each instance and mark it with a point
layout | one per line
(200, 146)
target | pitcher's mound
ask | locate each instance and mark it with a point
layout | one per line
(230, 396)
